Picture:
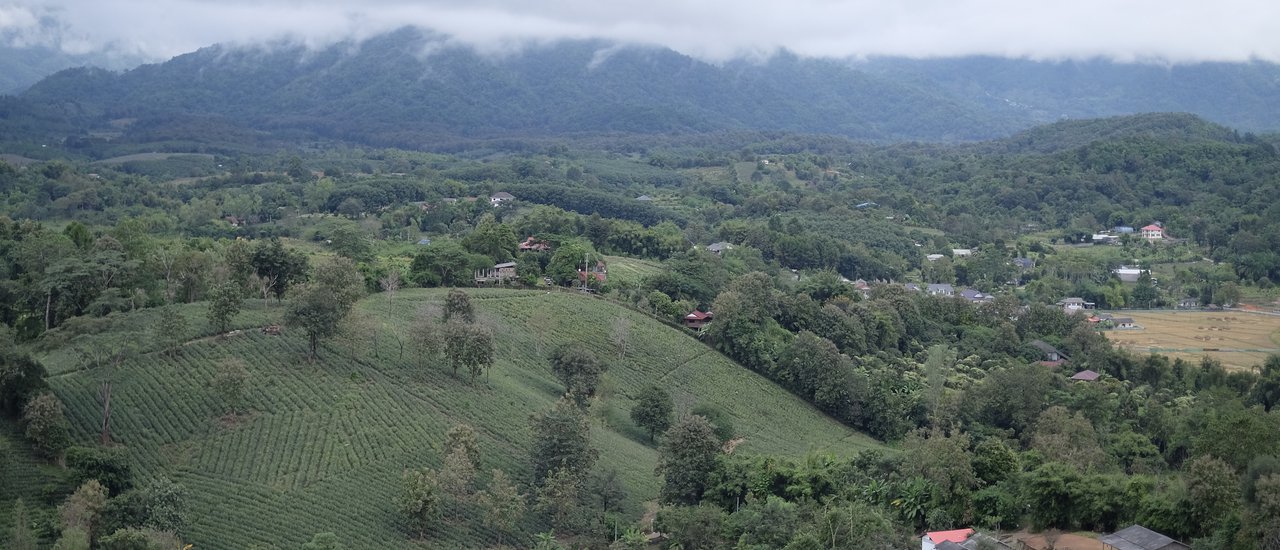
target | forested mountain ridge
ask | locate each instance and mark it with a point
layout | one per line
(410, 88)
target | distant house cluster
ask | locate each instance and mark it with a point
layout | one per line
(946, 290)
(1152, 232)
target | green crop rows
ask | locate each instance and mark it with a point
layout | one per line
(323, 445)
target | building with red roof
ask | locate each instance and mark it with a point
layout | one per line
(1152, 232)
(930, 540)
(697, 319)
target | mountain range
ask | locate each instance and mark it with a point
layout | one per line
(412, 88)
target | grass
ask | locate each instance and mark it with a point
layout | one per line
(1238, 339)
(324, 444)
(630, 272)
(150, 156)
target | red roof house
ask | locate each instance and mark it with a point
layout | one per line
(697, 319)
(1086, 376)
(932, 539)
(1152, 232)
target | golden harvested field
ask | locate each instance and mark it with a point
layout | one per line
(1238, 339)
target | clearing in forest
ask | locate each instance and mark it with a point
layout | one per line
(1238, 339)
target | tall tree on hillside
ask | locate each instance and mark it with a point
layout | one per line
(21, 377)
(456, 479)
(620, 335)
(427, 334)
(278, 266)
(652, 410)
(579, 369)
(560, 499)
(468, 346)
(47, 425)
(502, 503)
(224, 305)
(420, 501)
(170, 331)
(1213, 491)
(463, 436)
(229, 383)
(687, 459)
(390, 285)
(457, 305)
(82, 509)
(561, 441)
(320, 305)
(1266, 391)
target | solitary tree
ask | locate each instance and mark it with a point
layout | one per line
(21, 377)
(170, 330)
(224, 305)
(468, 346)
(420, 501)
(463, 436)
(457, 305)
(427, 335)
(502, 503)
(579, 369)
(561, 441)
(456, 477)
(686, 460)
(620, 335)
(559, 499)
(229, 383)
(277, 267)
(82, 508)
(652, 410)
(47, 425)
(320, 305)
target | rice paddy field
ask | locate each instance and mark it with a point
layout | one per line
(323, 445)
(1238, 339)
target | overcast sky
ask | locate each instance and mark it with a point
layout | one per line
(1156, 30)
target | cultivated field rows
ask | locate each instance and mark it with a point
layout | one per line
(321, 446)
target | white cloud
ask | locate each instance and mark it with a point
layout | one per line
(1167, 30)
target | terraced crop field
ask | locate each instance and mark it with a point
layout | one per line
(324, 444)
(1238, 339)
(630, 272)
(24, 476)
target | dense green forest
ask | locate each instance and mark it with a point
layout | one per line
(415, 89)
(978, 432)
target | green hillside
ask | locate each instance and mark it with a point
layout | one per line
(324, 444)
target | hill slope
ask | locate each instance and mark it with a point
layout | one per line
(324, 445)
